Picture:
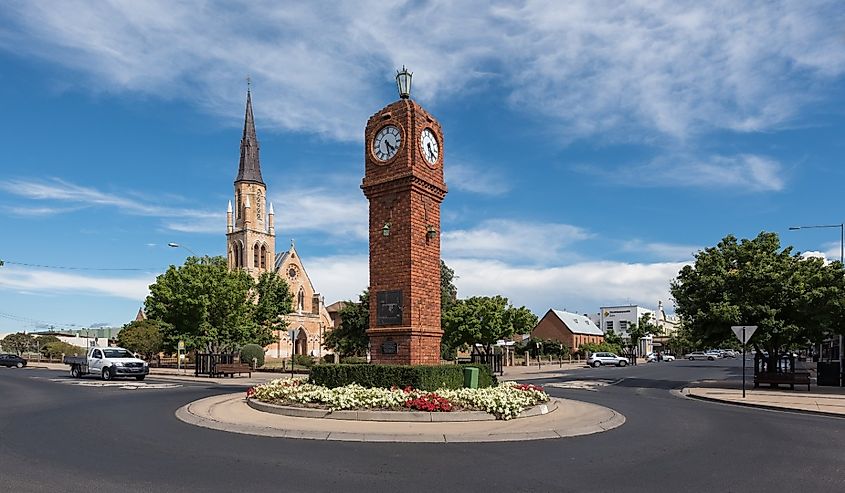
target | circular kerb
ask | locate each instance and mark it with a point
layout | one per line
(563, 418)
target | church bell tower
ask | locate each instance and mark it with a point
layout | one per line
(250, 231)
(403, 182)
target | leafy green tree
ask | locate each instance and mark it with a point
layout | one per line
(614, 339)
(207, 306)
(793, 300)
(484, 320)
(59, 348)
(599, 347)
(350, 338)
(18, 343)
(39, 343)
(642, 329)
(145, 337)
(274, 301)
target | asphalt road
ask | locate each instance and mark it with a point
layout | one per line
(58, 436)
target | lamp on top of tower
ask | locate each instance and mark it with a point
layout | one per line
(403, 82)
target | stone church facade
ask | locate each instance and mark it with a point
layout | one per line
(251, 246)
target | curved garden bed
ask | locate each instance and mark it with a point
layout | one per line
(292, 397)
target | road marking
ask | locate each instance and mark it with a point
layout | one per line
(120, 385)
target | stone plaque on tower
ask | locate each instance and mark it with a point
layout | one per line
(403, 182)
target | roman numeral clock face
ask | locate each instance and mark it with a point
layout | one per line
(387, 143)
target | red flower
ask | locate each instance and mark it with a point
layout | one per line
(250, 392)
(430, 402)
(528, 386)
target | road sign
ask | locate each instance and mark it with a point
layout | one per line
(293, 333)
(180, 345)
(744, 332)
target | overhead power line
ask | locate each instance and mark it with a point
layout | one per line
(22, 264)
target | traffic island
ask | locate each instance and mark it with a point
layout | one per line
(562, 418)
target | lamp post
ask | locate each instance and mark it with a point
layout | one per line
(179, 245)
(841, 236)
(841, 261)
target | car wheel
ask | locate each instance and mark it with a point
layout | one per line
(74, 372)
(140, 377)
(596, 364)
(711, 358)
(623, 363)
(19, 365)
(107, 374)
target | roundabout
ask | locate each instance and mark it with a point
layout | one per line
(559, 418)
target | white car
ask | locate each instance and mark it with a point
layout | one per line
(598, 359)
(652, 357)
(701, 355)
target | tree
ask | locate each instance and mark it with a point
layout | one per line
(274, 301)
(39, 343)
(18, 343)
(791, 299)
(59, 348)
(350, 337)
(206, 305)
(643, 328)
(613, 339)
(485, 320)
(143, 336)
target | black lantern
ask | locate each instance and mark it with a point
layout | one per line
(403, 82)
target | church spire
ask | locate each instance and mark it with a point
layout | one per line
(249, 168)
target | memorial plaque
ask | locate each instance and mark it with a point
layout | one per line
(389, 307)
(389, 347)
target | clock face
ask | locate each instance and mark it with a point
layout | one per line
(429, 147)
(387, 143)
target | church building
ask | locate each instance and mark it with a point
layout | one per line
(251, 246)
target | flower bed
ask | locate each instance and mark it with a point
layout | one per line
(505, 401)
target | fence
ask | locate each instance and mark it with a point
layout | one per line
(206, 362)
(494, 361)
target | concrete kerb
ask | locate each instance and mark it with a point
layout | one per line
(686, 392)
(230, 412)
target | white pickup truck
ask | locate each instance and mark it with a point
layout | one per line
(108, 362)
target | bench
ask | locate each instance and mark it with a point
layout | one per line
(231, 369)
(775, 378)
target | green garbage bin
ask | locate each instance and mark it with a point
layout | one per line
(470, 377)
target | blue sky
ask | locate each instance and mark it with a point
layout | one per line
(590, 149)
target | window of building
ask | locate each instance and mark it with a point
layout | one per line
(609, 325)
(623, 325)
(263, 257)
(256, 256)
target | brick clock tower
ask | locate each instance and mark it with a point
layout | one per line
(403, 182)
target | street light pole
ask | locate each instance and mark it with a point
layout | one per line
(841, 261)
(179, 245)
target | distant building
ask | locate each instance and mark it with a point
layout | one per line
(567, 328)
(617, 319)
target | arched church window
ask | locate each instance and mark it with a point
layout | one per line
(256, 256)
(300, 300)
(263, 257)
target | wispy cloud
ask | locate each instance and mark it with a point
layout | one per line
(661, 251)
(474, 179)
(505, 238)
(57, 190)
(45, 281)
(321, 209)
(632, 69)
(746, 172)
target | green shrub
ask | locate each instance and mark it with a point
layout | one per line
(303, 360)
(423, 377)
(252, 351)
(354, 360)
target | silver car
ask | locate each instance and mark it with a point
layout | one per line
(700, 355)
(597, 359)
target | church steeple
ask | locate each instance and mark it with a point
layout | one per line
(249, 168)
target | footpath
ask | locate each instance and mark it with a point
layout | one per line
(829, 401)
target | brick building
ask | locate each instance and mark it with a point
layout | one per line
(568, 328)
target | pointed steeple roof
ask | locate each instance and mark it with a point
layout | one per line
(249, 168)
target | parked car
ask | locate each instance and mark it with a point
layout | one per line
(598, 359)
(729, 353)
(700, 355)
(12, 360)
(715, 352)
(652, 357)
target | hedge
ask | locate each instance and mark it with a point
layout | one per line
(423, 377)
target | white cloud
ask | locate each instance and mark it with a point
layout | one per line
(45, 281)
(582, 287)
(321, 209)
(746, 172)
(188, 220)
(323, 67)
(662, 251)
(511, 239)
(339, 277)
(474, 179)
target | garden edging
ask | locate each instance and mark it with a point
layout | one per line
(394, 416)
